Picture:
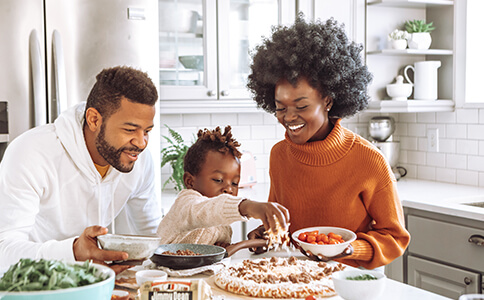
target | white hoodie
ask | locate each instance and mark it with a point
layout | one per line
(50, 191)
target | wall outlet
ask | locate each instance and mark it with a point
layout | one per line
(433, 140)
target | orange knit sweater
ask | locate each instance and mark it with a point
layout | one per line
(341, 181)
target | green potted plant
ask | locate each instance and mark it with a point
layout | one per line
(419, 32)
(174, 154)
(398, 39)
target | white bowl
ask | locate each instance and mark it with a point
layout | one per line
(358, 289)
(137, 246)
(150, 275)
(98, 290)
(326, 250)
(399, 92)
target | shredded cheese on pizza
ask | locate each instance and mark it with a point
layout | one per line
(279, 278)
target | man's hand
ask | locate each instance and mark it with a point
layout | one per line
(85, 248)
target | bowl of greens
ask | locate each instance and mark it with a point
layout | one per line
(55, 280)
(359, 284)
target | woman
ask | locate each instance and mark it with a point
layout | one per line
(311, 77)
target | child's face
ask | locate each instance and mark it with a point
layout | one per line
(302, 111)
(220, 174)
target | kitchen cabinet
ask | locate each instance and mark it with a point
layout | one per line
(219, 34)
(442, 257)
(382, 17)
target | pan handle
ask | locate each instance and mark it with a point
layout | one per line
(255, 243)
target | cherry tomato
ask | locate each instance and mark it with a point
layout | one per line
(302, 236)
(310, 297)
(335, 236)
(311, 239)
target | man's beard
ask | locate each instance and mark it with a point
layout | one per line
(111, 154)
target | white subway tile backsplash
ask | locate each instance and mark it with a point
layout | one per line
(241, 132)
(263, 132)
(475, 163)
(251, 119)
(254, 146)
(223, 120)
(171, 120)
(269, 143)
(467, 116)
(481, 179)
(481, 148)
(422, 144)
(446, 117)
(199, 120)
(469, 147)
(447, 145)
(475, 132)
(417, 129)
(435, 159)
(456, 161)
(481, 116)
(408, 143)
(426, 172)
(445, 175)
(269, 119)
(467, 177)
(427, 117)
(408, 118)
(456, 131)
(416, 157)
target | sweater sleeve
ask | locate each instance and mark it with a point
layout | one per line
(191, 210)
(387, 238)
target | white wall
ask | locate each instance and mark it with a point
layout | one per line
(461, 140)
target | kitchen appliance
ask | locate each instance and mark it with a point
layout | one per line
(52, 50)
(381, 128)
(425, 79)
(248, 176)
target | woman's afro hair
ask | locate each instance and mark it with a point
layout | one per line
(209, 140)
(321, 53)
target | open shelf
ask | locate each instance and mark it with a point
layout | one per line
(412, 52)
(391, 106)
(410, 3)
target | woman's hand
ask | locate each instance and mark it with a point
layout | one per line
(258, 233)
(319, 257)
(267, 212)
(85, 248)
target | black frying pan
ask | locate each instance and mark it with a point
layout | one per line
(210, 254)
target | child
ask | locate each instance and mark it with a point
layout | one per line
(204, 210)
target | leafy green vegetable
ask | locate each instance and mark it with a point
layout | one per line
(362, 277)
(38, 275)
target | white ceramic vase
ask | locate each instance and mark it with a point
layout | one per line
(419, 40)
(399, 44)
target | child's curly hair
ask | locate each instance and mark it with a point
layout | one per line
(319, 52)
(209, 140)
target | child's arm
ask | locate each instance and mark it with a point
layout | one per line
(265, 211)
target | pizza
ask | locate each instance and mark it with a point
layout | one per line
(279, 278)
(279, 237)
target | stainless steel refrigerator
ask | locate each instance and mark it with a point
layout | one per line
(51, 51)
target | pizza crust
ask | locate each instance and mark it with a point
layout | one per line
(279, 278)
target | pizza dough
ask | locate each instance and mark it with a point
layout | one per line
(279, 278)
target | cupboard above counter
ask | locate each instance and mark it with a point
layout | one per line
(218, 38)
(384, 16)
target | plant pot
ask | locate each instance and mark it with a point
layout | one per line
(419, 40)
(398, 44)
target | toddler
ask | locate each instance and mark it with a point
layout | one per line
(203, 211)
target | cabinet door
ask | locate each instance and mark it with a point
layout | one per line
(241, 26)
(188, 49)
(441, 279)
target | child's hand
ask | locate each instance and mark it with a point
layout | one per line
(267, 212)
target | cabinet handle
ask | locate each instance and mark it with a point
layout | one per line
(467, 280)
(477, 239)
(211, 93)
(225, 93)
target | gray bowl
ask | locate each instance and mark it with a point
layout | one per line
(192, 61)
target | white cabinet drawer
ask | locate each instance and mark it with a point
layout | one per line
(446, 242)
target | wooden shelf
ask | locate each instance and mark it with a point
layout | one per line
(410, 3)
(410, 106)
(411, 52)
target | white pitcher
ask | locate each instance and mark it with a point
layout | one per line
(425, 79)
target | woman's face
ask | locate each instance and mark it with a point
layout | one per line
(302, 111)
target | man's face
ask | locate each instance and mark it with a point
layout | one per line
(124, 134)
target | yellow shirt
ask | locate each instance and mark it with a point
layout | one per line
(102, 169)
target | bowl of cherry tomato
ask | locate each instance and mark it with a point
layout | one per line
(323, 240)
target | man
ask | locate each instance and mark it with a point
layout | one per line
(62, 184)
